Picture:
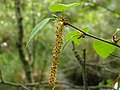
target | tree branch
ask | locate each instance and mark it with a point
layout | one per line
(83, 64)
(84, 72)
(75, 53)
(14, 84)
(64, 85)
(11, 84)
(92, 36)
(115, 55)
(46, 85)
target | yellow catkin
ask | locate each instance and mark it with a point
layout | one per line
(56, 53)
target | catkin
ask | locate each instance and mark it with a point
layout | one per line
(56, 53)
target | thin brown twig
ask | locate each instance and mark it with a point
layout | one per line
(11, 84)
(92, 36)
(65, 84)
(46, 85)
(14, 84)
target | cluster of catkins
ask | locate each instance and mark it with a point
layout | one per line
(56, 53)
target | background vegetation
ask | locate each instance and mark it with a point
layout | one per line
(102, 17)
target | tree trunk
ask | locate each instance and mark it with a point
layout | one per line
(19, 18)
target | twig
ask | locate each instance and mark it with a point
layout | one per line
(92, 36)
(64, 84)
(75, 53)
(11, 84)
(93, 64)
(45, 85)
(14, 84)
(23, 86)
(82, 63)
(115, 55)
(84, 72)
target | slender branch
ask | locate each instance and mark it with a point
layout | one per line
(92, 36)
(111, 70)
(45, 85)
(11, 84)
(14, 84)
(83, 64)
(75, 53)
(64, 85)
(84, 72)
(115, 55)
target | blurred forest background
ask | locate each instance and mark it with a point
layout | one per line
(30, 66)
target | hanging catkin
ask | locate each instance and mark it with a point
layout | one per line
(56, 53)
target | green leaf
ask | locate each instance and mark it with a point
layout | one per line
(73, 36)
(103, 49)
(36, 29)
(62, 7)
(70, 39)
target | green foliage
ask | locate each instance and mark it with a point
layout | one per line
(103, 49)
(77, 41)
(62, 7)
(109, 82)
(76, 36)
(37, 28)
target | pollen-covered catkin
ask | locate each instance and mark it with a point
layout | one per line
(56, 53)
